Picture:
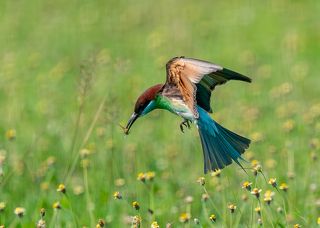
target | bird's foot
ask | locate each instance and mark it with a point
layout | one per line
(184, 123)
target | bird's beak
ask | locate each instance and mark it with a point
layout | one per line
(133, 118)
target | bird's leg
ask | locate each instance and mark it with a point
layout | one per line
(185, 123)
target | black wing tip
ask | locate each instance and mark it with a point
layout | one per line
(235, 76)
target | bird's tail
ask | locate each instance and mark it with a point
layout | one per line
(220, 145)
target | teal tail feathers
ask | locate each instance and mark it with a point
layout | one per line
(220, 145)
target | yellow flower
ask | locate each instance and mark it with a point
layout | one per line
(254, 163)
(247, 185)
(150, 175)
(2, 206)
(273, 182)
(117, 195)
(135, 205)
(141, 177)
(100, 223)
(258, 210)
(288, 125)
(216, 173)
(154, 224)
(212, 217)
(85, 152)
(61, 188)
(296, 226)
(232, 207)
(201, 181)
(284, 187)
(20, 211)
(56, 205)
(256, 192)
(11, 134)
(268, 196)
(257, 169)
(184, 217)
(318, 221)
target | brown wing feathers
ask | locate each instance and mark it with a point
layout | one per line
(177, 74)
(185, 73)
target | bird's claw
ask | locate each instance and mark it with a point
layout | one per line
(184, 123)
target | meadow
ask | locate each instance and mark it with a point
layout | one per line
(70, 73)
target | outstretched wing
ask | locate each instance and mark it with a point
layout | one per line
(195, 79)
(184, 73)
(210, 81)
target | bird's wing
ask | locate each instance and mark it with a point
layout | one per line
(210, 81)
(191, 75)
(184, 73)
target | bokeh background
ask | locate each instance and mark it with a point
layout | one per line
(70, 72)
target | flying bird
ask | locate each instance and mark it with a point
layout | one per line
(186, 93)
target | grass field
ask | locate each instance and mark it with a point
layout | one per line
(70, 72)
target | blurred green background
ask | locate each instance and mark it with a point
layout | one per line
(70, 72)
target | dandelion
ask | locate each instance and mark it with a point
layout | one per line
(256, 192)
(184, 217)
(150, 176)
(154, 224)
(296, 226)
(117, 195)
(201, 181)
(135, 205)
(20, 211)
(212, 217)
(56, 205)
(216, 173)
(258, 210)
(283, 186)
(2, 206)
(232, 208)
(100, 223)
(318, 221)
(247, 185)
(141, 177)
(61, 188)
(273, 182)
(11, 134)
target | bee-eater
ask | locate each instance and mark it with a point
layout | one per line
(187, 93)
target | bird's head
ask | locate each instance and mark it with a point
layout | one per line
(144, 104)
